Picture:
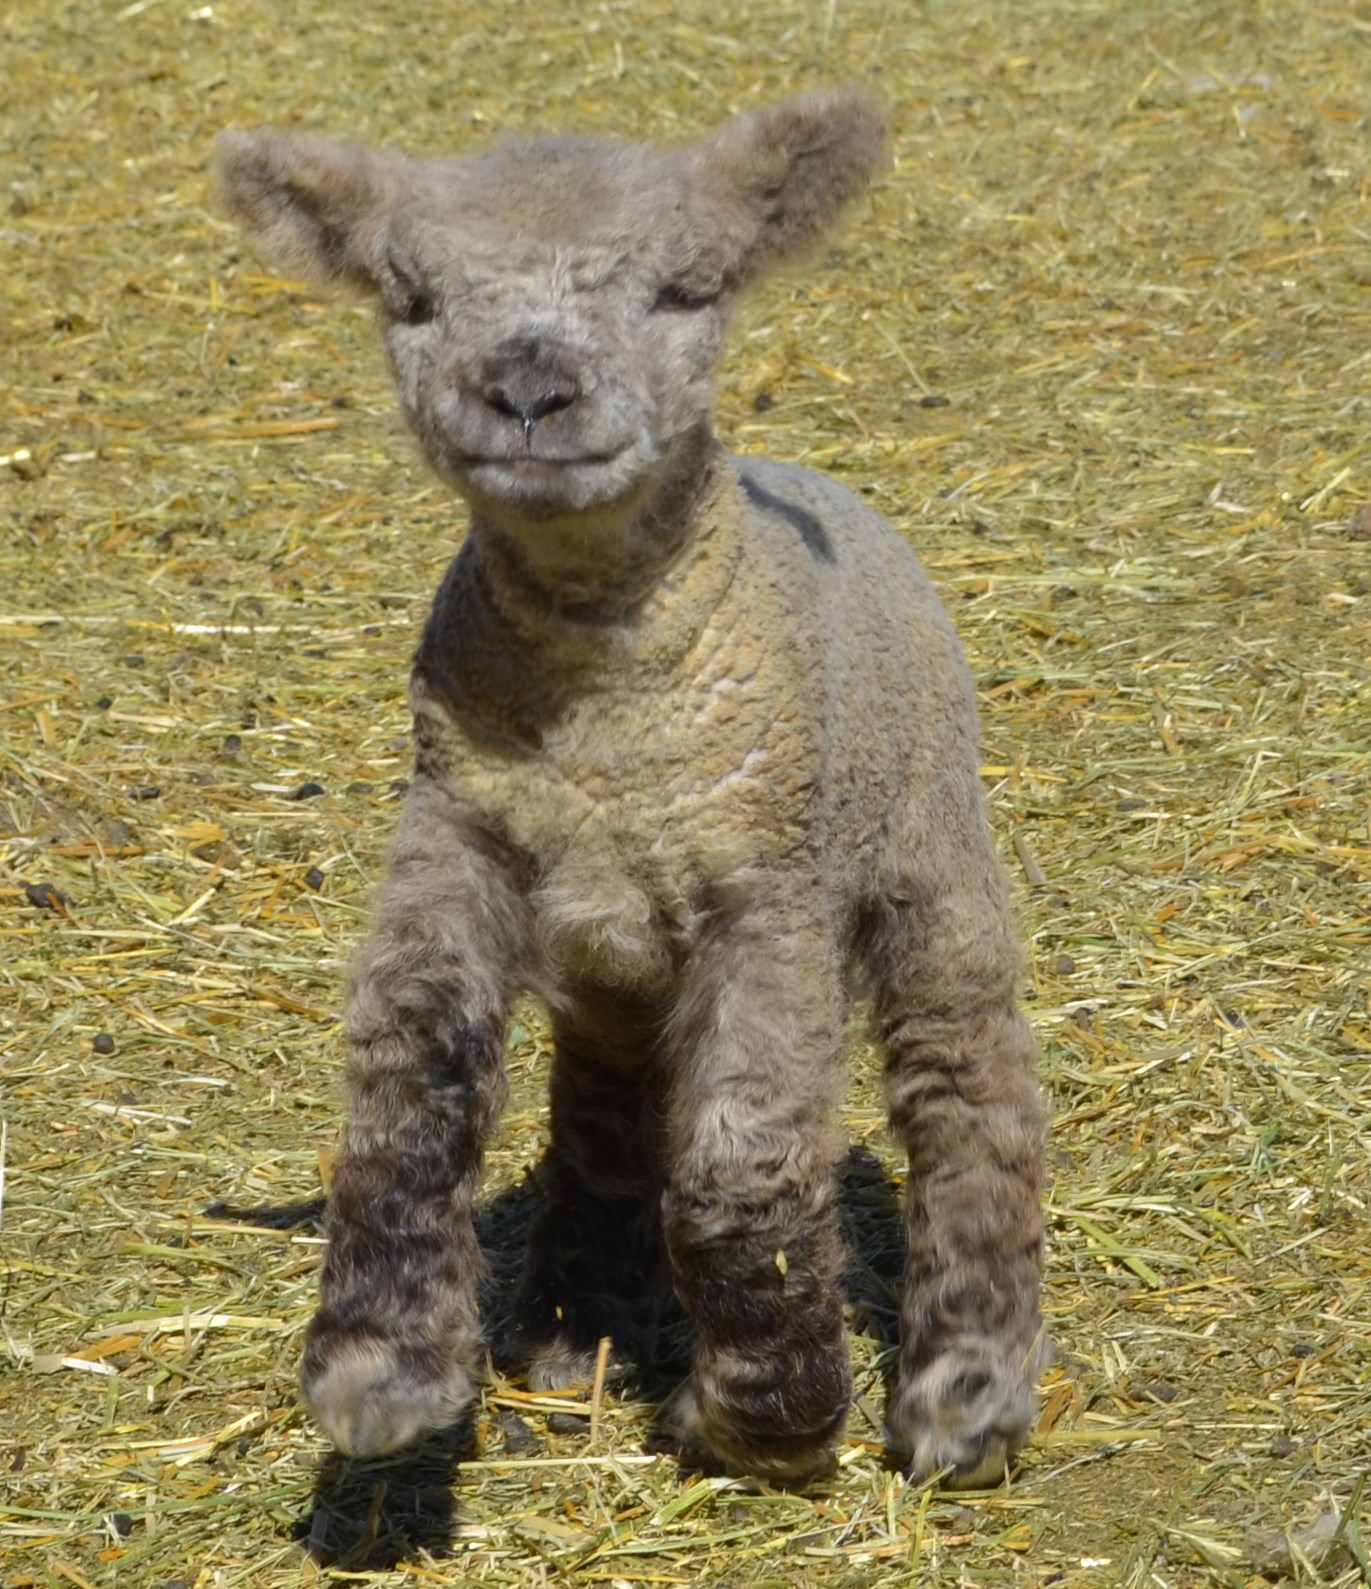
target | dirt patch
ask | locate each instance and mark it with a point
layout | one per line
(1099, 343)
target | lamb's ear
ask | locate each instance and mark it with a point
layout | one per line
(777, 179)
(310, 208)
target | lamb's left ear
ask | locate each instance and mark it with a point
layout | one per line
(310, 207)
(776, 180)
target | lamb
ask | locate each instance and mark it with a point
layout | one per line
(693, 739)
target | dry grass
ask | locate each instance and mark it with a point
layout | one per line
(1102, 344)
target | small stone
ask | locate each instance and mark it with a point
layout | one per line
(1154, 1390)
(518, 1435)
(763, 401)
(1303, 1349)
(45, 897)
(104, 703)
(315, 879)
(567, 1423)
(121, 1523)
(230, 745)
(1064, 966)
(1284, 1446)
(102, 1043)
(1359, 525)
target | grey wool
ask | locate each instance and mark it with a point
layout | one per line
(694, 742)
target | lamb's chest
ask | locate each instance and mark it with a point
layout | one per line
(626, 813)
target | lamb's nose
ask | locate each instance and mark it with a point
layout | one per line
(527, 412)
(528, 379)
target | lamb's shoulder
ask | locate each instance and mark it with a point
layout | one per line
(898, 700)
(865, 571)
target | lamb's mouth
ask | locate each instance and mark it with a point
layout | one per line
(527, 477)
(532, 463)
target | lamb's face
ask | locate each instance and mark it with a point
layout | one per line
(552, 307)
(551, 312)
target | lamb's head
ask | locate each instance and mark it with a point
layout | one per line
(552, 306)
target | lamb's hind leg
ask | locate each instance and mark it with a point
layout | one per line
(750, 1209)
(389, 1354)
(963, 1102)
(596, 1263)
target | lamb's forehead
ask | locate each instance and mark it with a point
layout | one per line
(553, 192)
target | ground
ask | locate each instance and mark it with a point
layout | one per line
(1100, 343)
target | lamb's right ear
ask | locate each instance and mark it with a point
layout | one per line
(310, 208)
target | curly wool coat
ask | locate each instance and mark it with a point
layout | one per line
(693, 737)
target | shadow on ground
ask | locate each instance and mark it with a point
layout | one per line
(370, 1516)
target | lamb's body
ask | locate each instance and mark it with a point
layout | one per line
(723, 732)
(692, 734)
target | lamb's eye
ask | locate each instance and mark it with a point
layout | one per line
(418, 309)
(672, 298)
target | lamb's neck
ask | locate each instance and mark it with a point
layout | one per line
(592, 570)
(510, 652)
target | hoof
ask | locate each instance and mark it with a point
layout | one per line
(765, 1445)
(965, 1412)
(556, 1366)
(371, 1397)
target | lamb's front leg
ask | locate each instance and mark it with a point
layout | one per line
(962, 1100)
(390, 1353)
(749, 1213)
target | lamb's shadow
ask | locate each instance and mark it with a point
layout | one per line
(371, 1516)
(874, 1230)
